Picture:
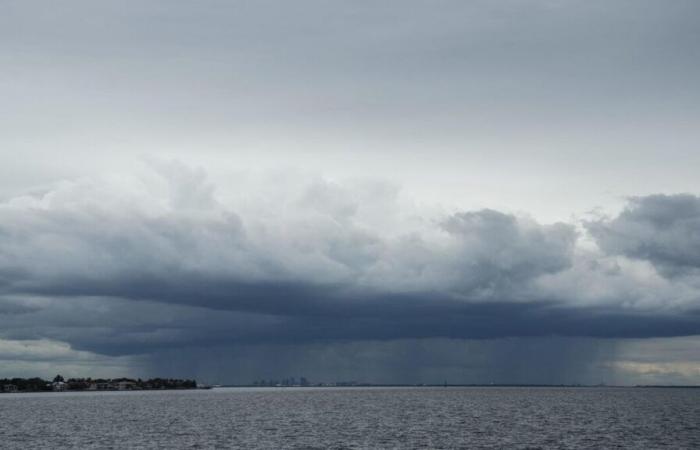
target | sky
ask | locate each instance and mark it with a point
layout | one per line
(392, 192)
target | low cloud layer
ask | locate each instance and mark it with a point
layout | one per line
(163, 259)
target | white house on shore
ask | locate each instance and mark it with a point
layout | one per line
(59, 386)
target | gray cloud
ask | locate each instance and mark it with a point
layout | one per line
(165, 260)
(505, 250)
(503, 104)
(95, 240)
(661, 229)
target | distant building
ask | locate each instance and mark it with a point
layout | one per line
(9, 388)
(126, 385)
(59, 386)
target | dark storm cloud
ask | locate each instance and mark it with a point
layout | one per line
(511, 251)
(11, 306)
(121, 271)
(661, 229)
(536, 360)
(121, 327)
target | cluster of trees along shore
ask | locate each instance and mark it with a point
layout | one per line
(85, 384)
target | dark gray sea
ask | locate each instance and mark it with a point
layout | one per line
(355, 418)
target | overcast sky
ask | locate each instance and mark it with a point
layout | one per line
(397, 191)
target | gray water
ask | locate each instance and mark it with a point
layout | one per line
(355, 418)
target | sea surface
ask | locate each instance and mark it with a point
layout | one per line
(355, 418)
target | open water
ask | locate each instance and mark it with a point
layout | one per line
(355, 418)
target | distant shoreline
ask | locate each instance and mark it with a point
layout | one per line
(179, 385)
(59, 384)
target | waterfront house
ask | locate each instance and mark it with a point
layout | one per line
(126, 385)
(59, 386)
